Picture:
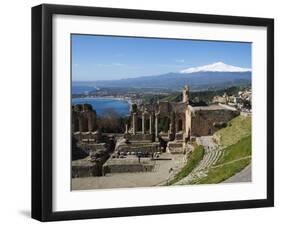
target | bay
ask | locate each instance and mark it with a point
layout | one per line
(103, 105)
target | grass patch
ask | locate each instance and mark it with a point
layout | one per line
(236, 151)
(173, 98)
(195, 157)
(236, 129)
(219, 174)
(233, 161)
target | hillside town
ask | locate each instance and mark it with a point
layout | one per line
(242, 101)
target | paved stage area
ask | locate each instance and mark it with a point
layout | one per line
(158, 176)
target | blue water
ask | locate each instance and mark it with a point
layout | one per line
(82, 89)
(102, 105)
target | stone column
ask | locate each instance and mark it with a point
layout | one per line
(170, 131)
(80, 119)
(90, 122)
(76, 125)
(177, 126)
(150, 124)
(143, 123)
(156, 127)
(173, 122)
(126, 128)
(75, 122)
(134, 123)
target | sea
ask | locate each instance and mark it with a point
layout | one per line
(101, 105)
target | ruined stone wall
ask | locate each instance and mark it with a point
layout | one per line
(86, 169)
(84, 118)
(138, 147)
(164, 108)
(179, 119)
(142, 137)
(132, 167)
(88, 137)
(207, 122)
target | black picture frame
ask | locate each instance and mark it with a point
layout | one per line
(42, 111)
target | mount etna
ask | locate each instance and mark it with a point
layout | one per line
(213, 76)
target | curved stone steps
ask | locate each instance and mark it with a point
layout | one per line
(208, 159)
(212, 154)
(201, 170)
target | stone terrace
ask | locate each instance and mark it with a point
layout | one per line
(158, 176)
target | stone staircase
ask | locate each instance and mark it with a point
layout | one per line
(175, 147)
(211, 155)
(136, 146)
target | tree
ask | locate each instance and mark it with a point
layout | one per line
(112, 122)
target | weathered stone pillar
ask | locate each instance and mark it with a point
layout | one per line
(75, 122)
(185, 94)
(156, 127)
(143, 123)
(150, 124)
(80, 119)
(134, 123)
(177, 125)
(173, 122)
(91, 121)
(170, 127)
(76, 125)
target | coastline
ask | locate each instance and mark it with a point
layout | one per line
(129, 101)
(107, 98)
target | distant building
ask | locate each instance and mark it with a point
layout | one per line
(242, 102)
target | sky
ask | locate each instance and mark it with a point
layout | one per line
(114, 57)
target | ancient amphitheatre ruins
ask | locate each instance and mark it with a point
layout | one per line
(145, 155)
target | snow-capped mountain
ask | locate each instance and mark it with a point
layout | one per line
(213, 76)
(215, 67)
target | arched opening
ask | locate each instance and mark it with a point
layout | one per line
(180, 125)
(164, 124)
(138, 124)
(146, 125)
